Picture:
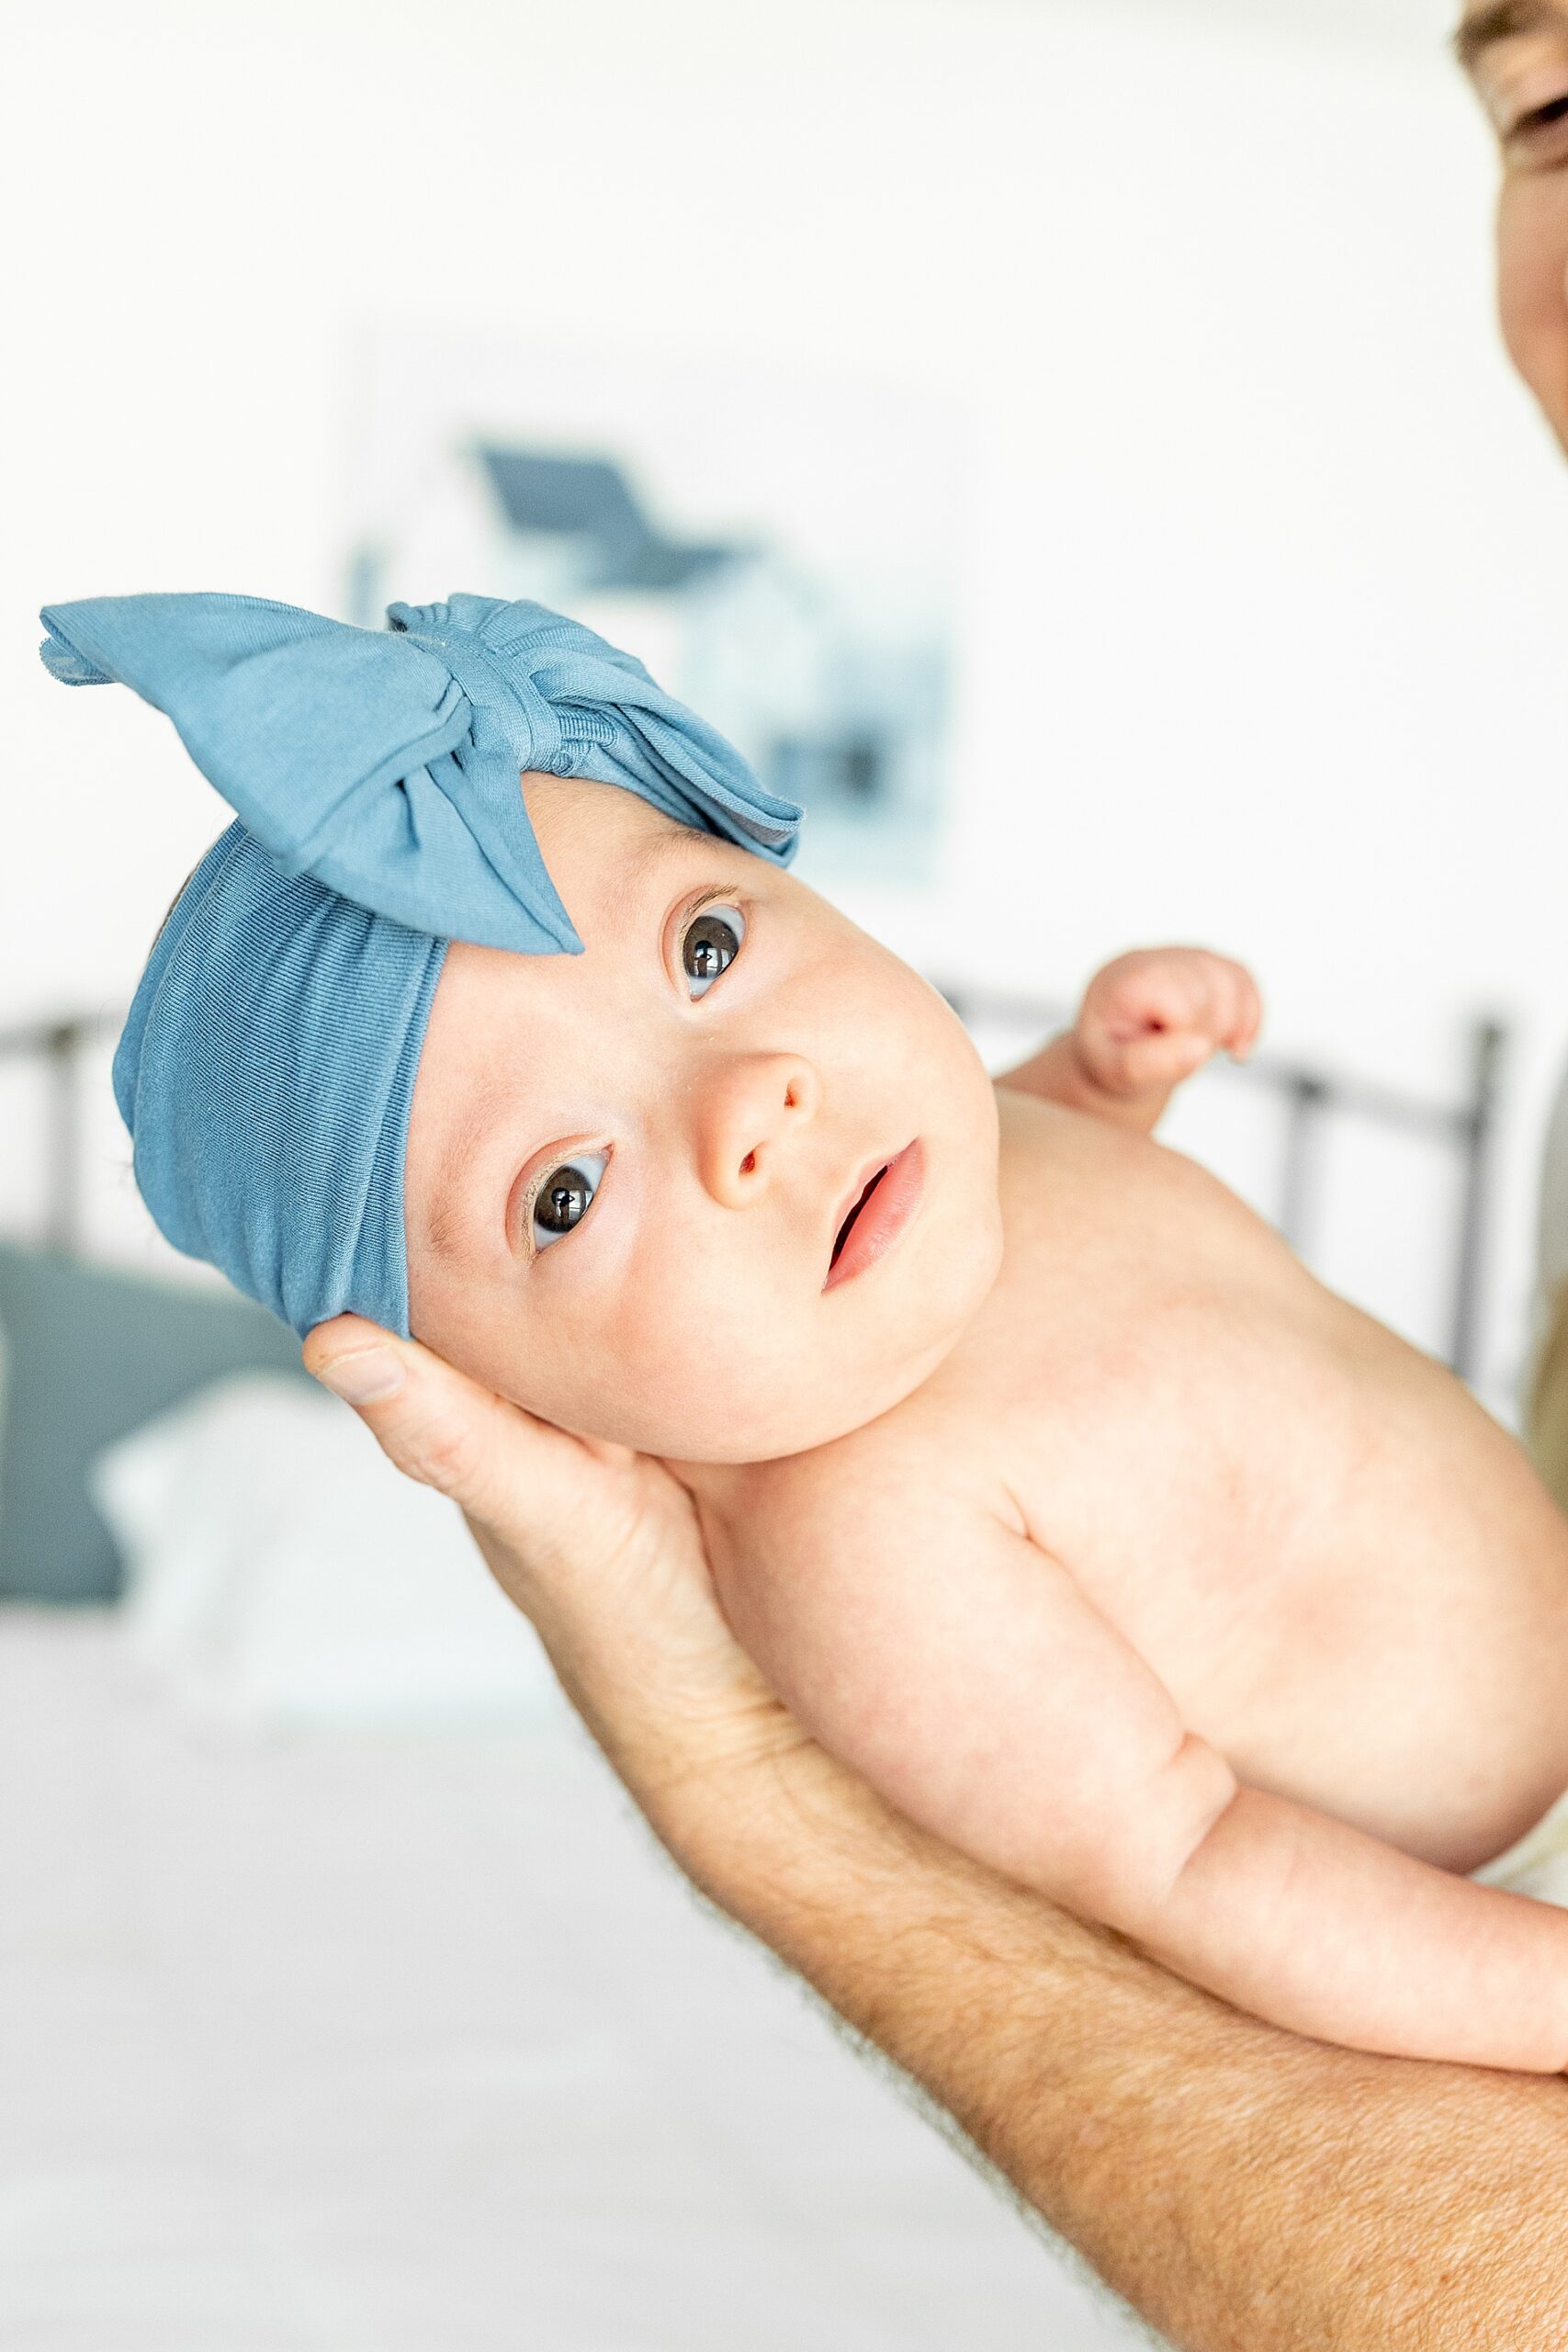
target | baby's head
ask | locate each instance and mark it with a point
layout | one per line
(628, 1172)
(496, 1019)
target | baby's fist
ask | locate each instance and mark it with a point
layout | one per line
(1151, 1019)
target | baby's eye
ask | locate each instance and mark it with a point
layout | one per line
(710, 944)
(567, 1194)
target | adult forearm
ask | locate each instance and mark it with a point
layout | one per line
(1248, 2191)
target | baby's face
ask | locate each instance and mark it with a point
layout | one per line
(629, 1170)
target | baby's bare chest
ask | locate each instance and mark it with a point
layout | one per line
(1329, 1553)
(1205, 1455)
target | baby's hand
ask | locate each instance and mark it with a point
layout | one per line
(1150, 1019)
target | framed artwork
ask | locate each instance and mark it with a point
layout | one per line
(779, 554)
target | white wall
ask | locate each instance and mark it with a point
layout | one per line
(1263, 606)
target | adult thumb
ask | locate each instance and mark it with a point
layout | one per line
(435, 1423)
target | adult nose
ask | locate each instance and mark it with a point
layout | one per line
(753, 1110)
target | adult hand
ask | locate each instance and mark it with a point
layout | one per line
(601, 1548)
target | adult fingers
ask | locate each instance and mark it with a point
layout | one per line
(496, 1463)
(601, 1548)
(578, 1532)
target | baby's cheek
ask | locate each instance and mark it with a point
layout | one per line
(704, 1365)
(704, 1334)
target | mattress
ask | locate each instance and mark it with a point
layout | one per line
(375, 2041)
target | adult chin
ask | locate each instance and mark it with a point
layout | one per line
(1542, 362)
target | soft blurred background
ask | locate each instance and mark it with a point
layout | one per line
(1066, 441)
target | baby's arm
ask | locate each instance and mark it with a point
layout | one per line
(961, 1671)
(1147, 1021)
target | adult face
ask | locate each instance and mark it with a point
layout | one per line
(1516, 53)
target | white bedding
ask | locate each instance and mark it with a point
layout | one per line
(370, 2040)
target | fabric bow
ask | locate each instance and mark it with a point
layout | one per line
(386, 763)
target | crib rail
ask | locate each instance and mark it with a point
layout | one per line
(59, 1047)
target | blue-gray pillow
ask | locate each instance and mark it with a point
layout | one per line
(90, 1354)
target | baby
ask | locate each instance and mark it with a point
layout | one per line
(1043, 1483)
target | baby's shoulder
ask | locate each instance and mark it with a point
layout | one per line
(844, 1546)
(868, 1496)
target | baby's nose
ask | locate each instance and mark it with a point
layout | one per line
(752, 1111)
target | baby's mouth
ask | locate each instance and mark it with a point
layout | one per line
(876, 1220)
(849, 1221)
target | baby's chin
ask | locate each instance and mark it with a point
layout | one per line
(731, 1427)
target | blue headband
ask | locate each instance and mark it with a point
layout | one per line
(267, 1067)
